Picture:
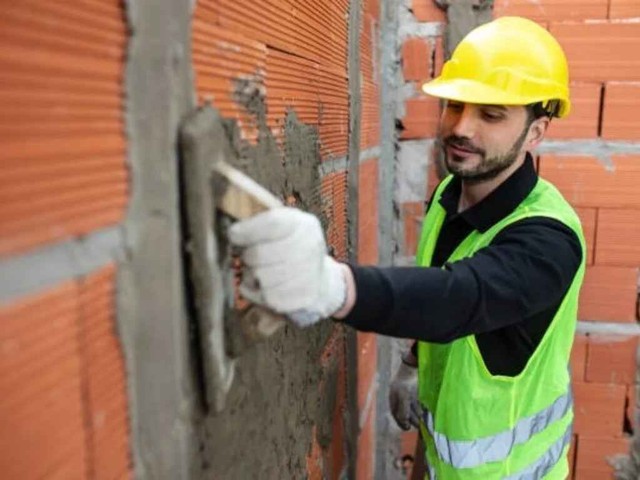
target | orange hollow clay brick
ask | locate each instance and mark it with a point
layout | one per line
(421, 118)
(572, 455)
(582, 121)
(624, 9)
(579, 358)
(64, 99)
(368, 208)
(592, 456)
(560, 10)
(621, 114)
(599, 409)
(104, 370)
(588, 221)
(367, 447)
(609, 294)
(600, 51)
(618, 235)
(367, 366)
(438, 57)
(408, 441)
(611, 359)
(586, 181)
(42, 414)
(416, 59)
(632, 406)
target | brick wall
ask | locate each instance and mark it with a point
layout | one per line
(594, 158)
(63, 182)
(299, 53)
(422, 55)
(65, 187)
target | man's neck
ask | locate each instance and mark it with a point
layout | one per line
(473, 193)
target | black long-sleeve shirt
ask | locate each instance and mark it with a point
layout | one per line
(506, 294)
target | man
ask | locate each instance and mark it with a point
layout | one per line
(493, 298)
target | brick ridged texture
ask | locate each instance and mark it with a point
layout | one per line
(62, 135)
(370, 75)
(64, 175)
(64, 411)
(546, 10)
(367, 213)
(296, 52)
(104, 376)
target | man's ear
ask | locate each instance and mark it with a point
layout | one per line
(537, 131)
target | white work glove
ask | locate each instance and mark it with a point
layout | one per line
(287, 268)
(403, 397)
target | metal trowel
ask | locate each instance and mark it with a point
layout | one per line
(210, 185)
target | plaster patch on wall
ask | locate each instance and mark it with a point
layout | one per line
(279, 394)
(413, 159)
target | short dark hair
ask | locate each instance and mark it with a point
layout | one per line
(538, 110)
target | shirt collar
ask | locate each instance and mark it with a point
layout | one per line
(499, 203)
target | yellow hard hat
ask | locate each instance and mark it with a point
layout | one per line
(509, 61)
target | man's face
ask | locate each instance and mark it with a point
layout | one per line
(480, 141)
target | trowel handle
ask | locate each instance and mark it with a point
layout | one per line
(241, 197)
(238, 195)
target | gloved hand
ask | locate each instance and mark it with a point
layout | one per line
(403, 397)
(287, 268)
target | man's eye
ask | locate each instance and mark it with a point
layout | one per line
(456, 107)
(492, 116)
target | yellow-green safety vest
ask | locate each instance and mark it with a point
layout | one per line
(476, 425)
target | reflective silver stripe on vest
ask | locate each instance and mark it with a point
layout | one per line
(431, 472)
(472, 453)
(546, 462)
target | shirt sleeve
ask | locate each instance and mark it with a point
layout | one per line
(528, 268)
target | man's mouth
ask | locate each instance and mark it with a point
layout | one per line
(460, 151)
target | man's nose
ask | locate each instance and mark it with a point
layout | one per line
(465, 124)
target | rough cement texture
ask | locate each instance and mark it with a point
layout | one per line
(274, 402)
(414, 157)
(152, 316)
(279, 393)
(301, 165)
(387, 440)
(462, 17)
(391, 77)
(355, 107)
(352, 423)
(603, 150)
(408, 26)
(45, 267)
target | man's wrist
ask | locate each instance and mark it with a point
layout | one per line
(350, 293)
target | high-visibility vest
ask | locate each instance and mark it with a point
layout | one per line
(476, 425)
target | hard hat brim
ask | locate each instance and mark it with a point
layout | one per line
(470, 91)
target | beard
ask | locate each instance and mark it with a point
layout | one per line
(489, 167)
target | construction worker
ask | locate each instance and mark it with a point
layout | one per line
(492, 301)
